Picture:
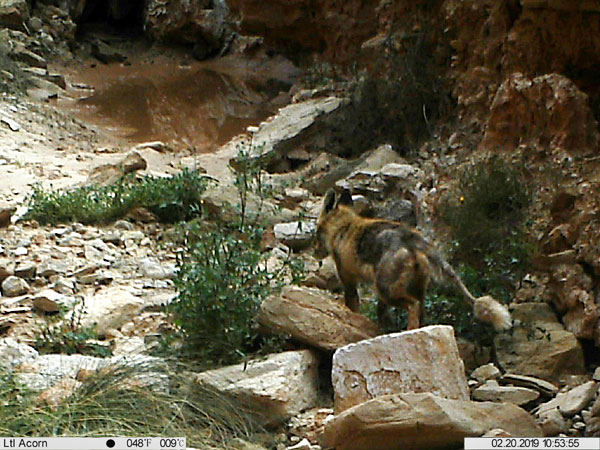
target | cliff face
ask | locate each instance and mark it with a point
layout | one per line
(340, 31)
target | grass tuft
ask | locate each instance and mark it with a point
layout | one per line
(170, 199)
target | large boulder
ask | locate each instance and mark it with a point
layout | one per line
(421, 360)
(538, 345)
(422, 421)
(275, 388)
(314, 317)
(294, 124)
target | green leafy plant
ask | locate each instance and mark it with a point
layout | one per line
(223, 277)
(172, 199)
(486, 217)
(69, 336)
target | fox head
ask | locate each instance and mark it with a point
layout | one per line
(335, 212)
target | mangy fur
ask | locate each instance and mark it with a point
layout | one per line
(396, 258)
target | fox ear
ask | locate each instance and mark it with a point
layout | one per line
(329, 201)
(345, 199)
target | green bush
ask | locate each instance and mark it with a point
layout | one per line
(223, 277)
(68, 336)
(487, 217)
(172, 199)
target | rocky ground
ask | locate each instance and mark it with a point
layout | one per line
(346, 382)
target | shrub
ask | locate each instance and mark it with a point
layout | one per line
(223, 277)
(69, 336)
(486, 217)
(171, 199)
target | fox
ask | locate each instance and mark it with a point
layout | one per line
(396, 258)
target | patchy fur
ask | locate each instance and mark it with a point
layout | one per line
(396, 258)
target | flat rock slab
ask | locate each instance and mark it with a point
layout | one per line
(422, 421)
(492, 392)
(571, 402)
(276, 388)
(291, 122)
(316, 318)
(415, 361)
(543, 387)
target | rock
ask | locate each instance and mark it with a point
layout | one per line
(29, 58)
(51, 267)
(325, 277)
(201, 23)
(315, 318)
(422, 421)
(370, 179)
(324, 171)
(296, 235)
(106, 53)
(109, 307)
(4, 273)
(543, 387)
(47, 370)
(396, 209)
(56, 78)
(6, 213)
(571, 402)
(14, 126)
(155, 270)
(14, 286)
(492, 392)
(279, 134)
(21, 251)
(497, 432)
(13, 353)
(124, 225)
(421, 360)
(538, 345)
(26, 270)
(109, 173)
(304, 444)
(574, 298)
(486, 372)
(14, 14)
(592, 420)
(546, 111)
(276, 387)
(50, 301)
(296, 195)
(552, 422)
(331, 31)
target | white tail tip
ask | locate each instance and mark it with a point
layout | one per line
(489, 310)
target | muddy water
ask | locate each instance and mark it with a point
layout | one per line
(195, 106)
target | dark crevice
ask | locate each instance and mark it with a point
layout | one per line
(117, 17)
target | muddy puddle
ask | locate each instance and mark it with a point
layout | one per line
(195, 106)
